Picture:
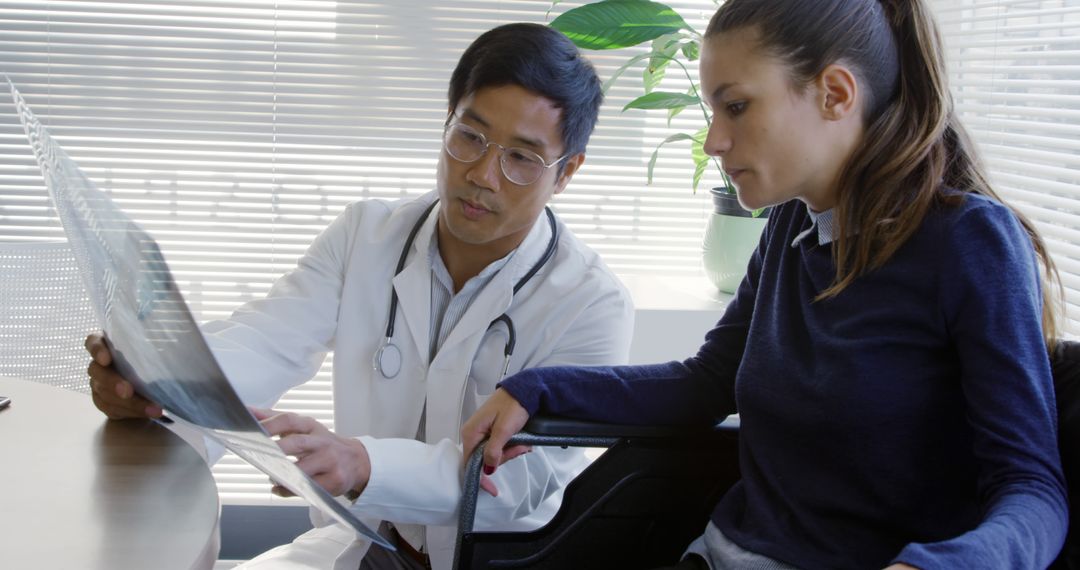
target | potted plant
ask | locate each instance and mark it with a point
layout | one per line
(732, 233)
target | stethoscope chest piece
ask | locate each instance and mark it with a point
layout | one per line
(387, 360)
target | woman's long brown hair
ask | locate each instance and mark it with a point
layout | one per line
(914, 147)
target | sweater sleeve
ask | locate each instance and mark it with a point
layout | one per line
(992, 306)
(698, 390)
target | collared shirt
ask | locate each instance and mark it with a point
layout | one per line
(822, 223)
(448, 307)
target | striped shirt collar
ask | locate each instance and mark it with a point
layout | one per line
(821, 223)
(448, 306)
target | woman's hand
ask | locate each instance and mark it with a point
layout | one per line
(498, 420)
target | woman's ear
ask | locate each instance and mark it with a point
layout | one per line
(839, 92)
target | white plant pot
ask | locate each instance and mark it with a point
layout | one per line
(731, 236)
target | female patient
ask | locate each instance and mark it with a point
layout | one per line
(887, 349)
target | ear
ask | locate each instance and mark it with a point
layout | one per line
(839, 92)
(573, 163)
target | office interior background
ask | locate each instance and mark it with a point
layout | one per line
(235, 130)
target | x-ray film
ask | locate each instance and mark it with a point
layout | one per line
(154, 339)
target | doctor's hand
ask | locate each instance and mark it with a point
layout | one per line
(340, 464)
(112, 393)
(498, 419)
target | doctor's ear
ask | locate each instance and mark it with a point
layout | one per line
(570, 166)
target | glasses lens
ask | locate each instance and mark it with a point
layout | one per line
(464, 143)
(521, 166)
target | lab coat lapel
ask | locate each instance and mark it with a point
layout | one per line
(413, 286)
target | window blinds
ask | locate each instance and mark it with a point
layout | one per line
(1015, 74)
(235, 130)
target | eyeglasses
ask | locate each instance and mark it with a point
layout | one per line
(520, 166)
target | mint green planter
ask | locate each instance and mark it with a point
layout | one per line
(730, 240)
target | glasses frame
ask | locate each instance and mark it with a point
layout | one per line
(502, 153)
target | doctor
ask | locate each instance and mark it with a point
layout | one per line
(420, 301)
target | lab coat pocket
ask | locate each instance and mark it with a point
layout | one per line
(487, 367)
(486, 371)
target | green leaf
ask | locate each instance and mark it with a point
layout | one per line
(656, 152)
(672, 112)
(611, 80)
(651, 77)
(668, 44)
(697, 153)
(701, 160)
(692, 92)
(662, 100)
(692, 50)
(614, 24)
(663, 51)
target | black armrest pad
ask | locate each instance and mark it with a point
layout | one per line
(560, 426)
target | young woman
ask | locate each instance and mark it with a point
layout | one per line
(887, 350)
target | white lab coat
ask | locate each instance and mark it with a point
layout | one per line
(573, 312)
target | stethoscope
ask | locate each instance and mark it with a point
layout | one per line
(387, 359)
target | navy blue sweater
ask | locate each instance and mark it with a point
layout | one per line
(909, 419)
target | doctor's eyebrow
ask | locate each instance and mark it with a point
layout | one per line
(518, 139)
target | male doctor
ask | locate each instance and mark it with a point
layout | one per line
(408, 371)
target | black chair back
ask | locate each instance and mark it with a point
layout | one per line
(1065, 364)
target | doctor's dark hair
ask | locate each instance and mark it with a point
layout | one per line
(539, 59)
(914, 148)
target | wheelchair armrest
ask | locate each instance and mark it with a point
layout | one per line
(567, 427)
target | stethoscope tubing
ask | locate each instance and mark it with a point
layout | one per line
(387, 358)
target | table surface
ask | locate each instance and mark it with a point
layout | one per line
(80, 491)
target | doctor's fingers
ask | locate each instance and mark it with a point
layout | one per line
(116, 397)
(99, 351)
(286, 423)
(262, 413)
(302, 445)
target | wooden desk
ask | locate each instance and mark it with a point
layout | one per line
(79, 491)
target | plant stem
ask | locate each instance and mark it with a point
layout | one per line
(704, 112)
